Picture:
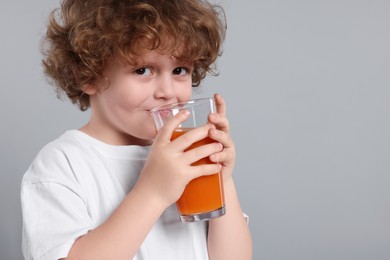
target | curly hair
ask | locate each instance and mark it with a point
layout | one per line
(83, 35)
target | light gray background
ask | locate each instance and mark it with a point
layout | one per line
(307, 85)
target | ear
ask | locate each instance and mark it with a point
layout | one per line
(89, 89)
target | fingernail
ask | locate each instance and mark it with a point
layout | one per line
(186, 112)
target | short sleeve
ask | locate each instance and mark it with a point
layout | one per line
(54, 216)
(246, 217)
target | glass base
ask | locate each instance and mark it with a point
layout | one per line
(203, 216)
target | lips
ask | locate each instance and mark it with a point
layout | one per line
(163, 114)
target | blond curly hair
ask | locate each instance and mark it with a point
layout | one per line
(83, 35)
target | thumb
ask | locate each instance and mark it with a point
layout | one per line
(171, 124)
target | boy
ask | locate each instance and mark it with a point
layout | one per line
(107, 190)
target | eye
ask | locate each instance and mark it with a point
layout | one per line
(143, 71)
(181, 71)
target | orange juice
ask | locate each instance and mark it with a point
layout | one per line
(203, 194)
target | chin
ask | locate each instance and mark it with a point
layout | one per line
(151, 138)
(148, 137)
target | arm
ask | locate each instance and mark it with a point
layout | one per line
(229, 236)
(124, 231)
(166, 173)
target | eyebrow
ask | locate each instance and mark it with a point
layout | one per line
(152, 62)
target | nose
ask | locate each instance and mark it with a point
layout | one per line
(165, 88)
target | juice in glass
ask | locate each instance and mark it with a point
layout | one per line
(203, 197)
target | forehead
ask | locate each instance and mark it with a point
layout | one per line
(157, 57)
(146, 50)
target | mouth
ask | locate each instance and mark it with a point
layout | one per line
(162, 114)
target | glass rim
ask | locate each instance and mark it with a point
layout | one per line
(182, 104)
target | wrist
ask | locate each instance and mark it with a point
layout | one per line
(149, 197)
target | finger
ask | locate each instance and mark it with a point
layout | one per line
(227, 155)
(220, 104)
(222, 157)
(171, 124)
(221, 137)
(220, 121)
(205, 169)
(187, 137)
(204, 151)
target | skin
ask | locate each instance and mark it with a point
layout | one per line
(120, 116)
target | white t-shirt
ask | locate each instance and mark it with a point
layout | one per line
(73, 186)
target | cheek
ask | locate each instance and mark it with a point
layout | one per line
(130, 97)
(184, 93)
(147, 129)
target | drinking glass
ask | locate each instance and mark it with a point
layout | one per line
(203, 197)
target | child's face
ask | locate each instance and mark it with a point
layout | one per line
(121, 112)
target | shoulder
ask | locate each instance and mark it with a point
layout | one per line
(52, 163)
(51, 193)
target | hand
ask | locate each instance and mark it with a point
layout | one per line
(221, 134)
(168, 168)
